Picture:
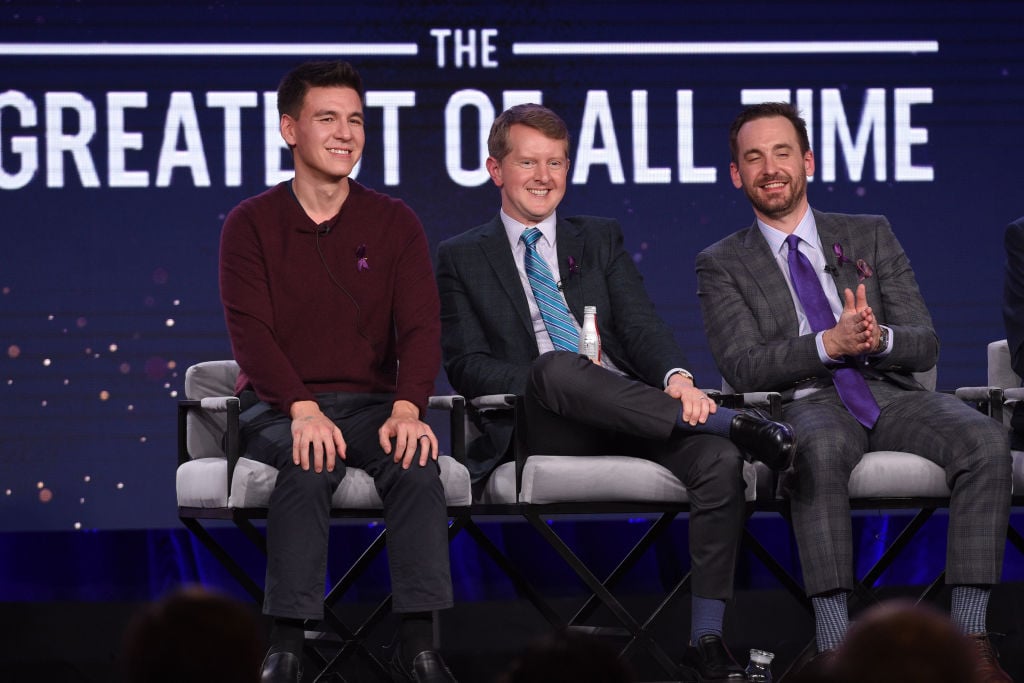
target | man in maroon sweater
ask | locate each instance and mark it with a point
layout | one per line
(327, 287)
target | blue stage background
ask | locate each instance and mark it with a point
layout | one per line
(127, 132)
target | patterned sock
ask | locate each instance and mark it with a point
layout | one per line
(706, 618)
(719, 422)
(831, 618)
(287, 635)
(970, 605)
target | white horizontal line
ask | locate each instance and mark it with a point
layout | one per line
(204, 49)
(729, 48)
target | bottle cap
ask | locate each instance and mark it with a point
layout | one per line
(761, 656)
(590, 309)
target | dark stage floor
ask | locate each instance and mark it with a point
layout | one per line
(79, 642)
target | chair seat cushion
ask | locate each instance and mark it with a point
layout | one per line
(892, 474)
(895, 474)
(597, 478)
(202, 483)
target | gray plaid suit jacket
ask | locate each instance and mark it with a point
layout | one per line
(486, 333)
(751, 323)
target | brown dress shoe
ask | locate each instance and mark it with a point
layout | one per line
(988, 669)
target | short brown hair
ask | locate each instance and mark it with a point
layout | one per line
(535, 116)
(763, 111)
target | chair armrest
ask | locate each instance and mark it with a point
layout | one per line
(211, 404)
(511, 402)
(446, 402)
(978, 393)
(1014, 394)
(988, 399)
(456, 407)
(769, 401)
(494, 401)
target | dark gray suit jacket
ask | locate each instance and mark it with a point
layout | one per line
(486, 333)
(751, 322)
(1013, 314)
(1013, 293)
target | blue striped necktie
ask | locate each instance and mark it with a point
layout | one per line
(554, 312)
(850, 384)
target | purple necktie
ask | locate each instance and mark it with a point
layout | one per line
(850, 384)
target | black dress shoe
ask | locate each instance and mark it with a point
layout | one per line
(427, 667)
(773, 443)
(817, 668)
(711, 661)
(281, 667)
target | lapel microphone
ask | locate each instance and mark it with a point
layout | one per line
(831, 270)
(324, 228)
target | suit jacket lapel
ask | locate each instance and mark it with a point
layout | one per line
(569, 241)
(757, 257)
(494, 245)
(831, 232)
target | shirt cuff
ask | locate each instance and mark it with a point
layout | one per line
(826, 360)
(682, 371)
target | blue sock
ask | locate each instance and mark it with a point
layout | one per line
(719, 423)
(706, 618)
(968, 609)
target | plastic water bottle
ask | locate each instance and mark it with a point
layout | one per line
(590, 336)
(760, 667)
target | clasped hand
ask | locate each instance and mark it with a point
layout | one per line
(856, 332)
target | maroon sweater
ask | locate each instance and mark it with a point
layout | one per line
(296, 333)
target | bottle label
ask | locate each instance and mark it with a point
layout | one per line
(590, 337)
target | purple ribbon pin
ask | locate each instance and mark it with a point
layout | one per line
(863, 268)
(361, 263)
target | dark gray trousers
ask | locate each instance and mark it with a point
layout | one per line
(574, 407)
(971, 447)
(299, 516)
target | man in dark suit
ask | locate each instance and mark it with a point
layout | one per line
(846, 378)
(1013, 316)
(496, 338)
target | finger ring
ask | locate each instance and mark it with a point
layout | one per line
(423, 436)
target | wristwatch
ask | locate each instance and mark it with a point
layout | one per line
(684, 373)
(883, 339)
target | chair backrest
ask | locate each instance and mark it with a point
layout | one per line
(205, 429)
(1000, 372)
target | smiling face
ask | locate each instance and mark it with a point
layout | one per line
(531, 175)
(772, 171)
(327, 135)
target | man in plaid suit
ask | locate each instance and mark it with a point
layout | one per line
(761, 334)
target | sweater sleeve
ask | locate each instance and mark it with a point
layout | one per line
(248, 311)
(416, 311)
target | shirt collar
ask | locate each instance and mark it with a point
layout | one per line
(514, 229)
(806, 230)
